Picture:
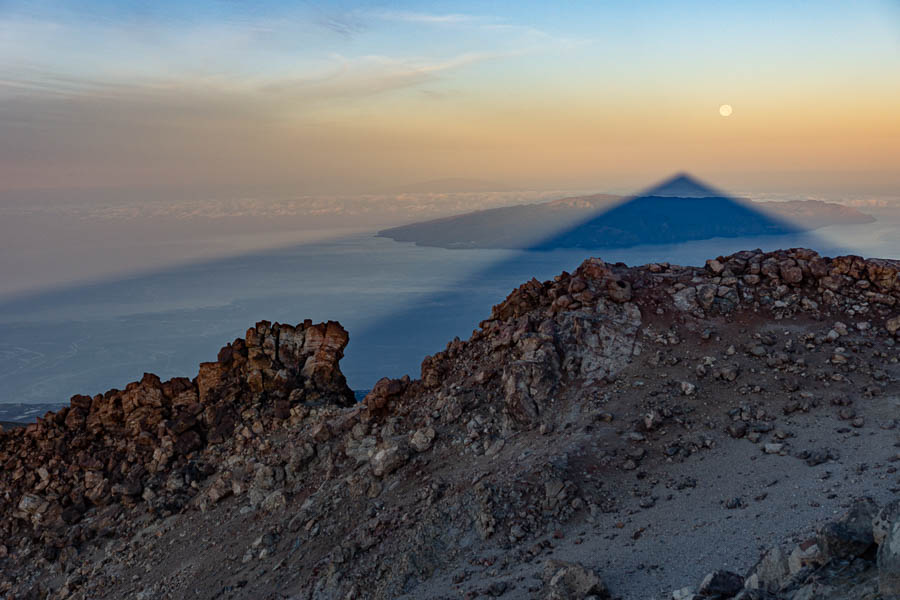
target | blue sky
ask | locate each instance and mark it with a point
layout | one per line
(404, 90)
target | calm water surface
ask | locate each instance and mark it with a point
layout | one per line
(399, 302)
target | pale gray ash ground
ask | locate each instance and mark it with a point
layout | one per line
(653, 432)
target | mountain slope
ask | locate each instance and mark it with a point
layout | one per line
(650, 424)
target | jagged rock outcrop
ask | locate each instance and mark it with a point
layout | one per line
(119, 446)
(583, 327)
(567, 403)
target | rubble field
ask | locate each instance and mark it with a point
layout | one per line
(653, 432)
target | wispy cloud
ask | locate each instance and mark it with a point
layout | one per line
(419, 17)
(344, 23)
(513, 32)
(355, 77)
(246, 97)
(269, 55)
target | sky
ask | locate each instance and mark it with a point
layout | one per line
(360, 97)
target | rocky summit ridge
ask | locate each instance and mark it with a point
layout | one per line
(614, 432)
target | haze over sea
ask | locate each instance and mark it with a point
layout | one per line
(159, 286)
(173, 172)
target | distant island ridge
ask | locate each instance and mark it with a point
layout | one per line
(452, 185)
(680, 209)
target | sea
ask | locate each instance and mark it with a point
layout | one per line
(400, 302)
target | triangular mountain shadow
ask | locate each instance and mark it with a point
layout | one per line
(654, 226)
(682, 185)
(679, 209)
(391, 330)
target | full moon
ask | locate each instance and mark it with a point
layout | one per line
(725, 110)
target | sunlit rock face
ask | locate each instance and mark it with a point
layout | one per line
(108, 448)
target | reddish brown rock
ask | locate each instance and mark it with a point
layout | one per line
(384, 390)
(112, 446)
(553, 354)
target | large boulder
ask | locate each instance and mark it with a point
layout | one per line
(388, 459)
(770, 573)
(851, 535)
(686, 299)
(893, 325)
(422, 439)
(322, 350)
(571, 581)
(882, 522)
(889, 562)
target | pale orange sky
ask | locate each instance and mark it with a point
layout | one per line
(369, 98)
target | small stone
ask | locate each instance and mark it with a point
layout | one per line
(706, 295)
(274, 501)
(773, 448)
(803, 555)
(652, 420)
(494, 448)
(387, 460)
(715, 266)
(497, 588)
(647, 502)
(737, 430)
(686, 300)
(320, 432)
(603, 417)
(893, 325)
(422, 439)
(791, 273)
(684, 593)
(733, 503)
(30, 504)
(516, 533)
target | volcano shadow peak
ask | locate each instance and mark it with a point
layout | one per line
(680, 209)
